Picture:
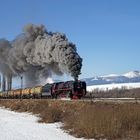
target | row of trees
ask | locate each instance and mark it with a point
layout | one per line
(115, 93)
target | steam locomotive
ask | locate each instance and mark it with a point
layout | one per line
(69, 89)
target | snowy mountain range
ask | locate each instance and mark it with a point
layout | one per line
(130, 77)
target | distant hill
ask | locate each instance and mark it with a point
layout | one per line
(130, 77)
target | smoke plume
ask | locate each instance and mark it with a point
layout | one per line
(37, 54)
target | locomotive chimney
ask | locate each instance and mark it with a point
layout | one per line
(75, 79)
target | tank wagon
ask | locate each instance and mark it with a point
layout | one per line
(68, 89)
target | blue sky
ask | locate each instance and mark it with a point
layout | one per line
(106, 32)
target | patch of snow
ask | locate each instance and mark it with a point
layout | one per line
(108, 80)
(110, 75)
(23, 126)
(113, 86)
(95, 78)
(132, 74)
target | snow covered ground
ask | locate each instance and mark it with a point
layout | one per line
(23, 126)
(112, 86)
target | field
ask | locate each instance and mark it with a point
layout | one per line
(85, 119)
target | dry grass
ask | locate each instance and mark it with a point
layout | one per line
(84, 119)
(106, 121)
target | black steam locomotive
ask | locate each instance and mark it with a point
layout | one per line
(69, 89)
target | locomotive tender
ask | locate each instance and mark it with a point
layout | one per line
(68, 89)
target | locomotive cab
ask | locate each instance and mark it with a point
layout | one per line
(47, 90)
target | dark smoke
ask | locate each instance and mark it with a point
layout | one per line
(37, 54)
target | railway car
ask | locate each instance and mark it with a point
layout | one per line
(0, 95)
(32, 91)
(17, 93)
(10, 94)
(37, 92)
(26, 93)
(3, 94)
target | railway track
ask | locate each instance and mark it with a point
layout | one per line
(133, 100)
(115, 100)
